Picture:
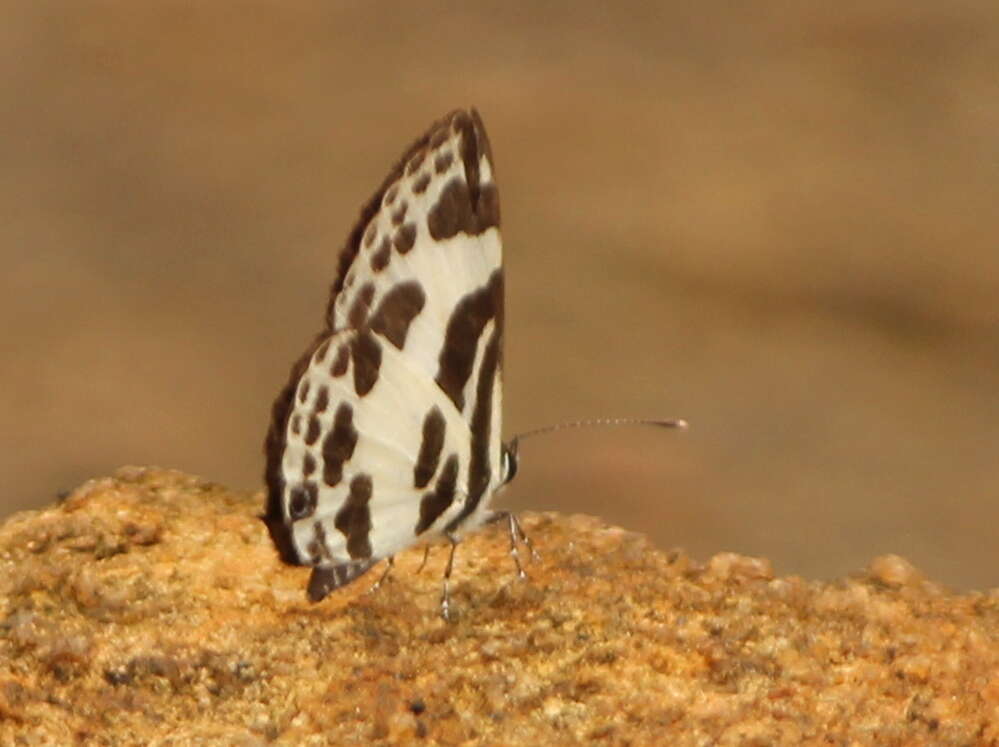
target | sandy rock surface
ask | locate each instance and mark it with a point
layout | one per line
(151, 608)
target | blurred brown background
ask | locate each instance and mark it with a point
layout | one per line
(777, 220)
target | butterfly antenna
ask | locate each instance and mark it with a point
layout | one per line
(593, 422)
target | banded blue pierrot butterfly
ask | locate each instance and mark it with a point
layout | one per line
(388, 433)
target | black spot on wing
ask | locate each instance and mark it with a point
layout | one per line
(367, 356)
(358, 313)
(430, 448)
(461, 338)
(466, 204)
(456, 211)
(339, 444)
(327, 578)
(404, 238)
(479, 471)
(396, 312)
(299, 503)
(443, 162)
(437, 501)
(487, 207)
(312, 433)
(322, 400)
(380, 259)
(321, 352)
(354, 518)
(340, 361)
(452, 212)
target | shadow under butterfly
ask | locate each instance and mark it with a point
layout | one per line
(388, 433)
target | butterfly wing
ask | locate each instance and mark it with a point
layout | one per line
(388, 431)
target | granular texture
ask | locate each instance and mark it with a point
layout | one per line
(151, 606)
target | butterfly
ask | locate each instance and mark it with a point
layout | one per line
(388, 432)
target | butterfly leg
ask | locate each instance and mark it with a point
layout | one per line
(516, 535)
(385, 574)
(516, 528)
(514, 551)
(445, 595)
(426, 554)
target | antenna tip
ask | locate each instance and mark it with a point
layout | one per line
(682, 424)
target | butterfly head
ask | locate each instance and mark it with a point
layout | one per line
(509, 461)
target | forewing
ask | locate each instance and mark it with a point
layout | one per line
(433, 229)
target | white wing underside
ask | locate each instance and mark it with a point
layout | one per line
(448, 270)
(402, 276)
(389, 422)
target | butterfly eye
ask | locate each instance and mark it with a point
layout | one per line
(509, 461)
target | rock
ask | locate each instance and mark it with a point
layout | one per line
(152, 605)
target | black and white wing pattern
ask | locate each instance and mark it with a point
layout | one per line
(388, 431)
